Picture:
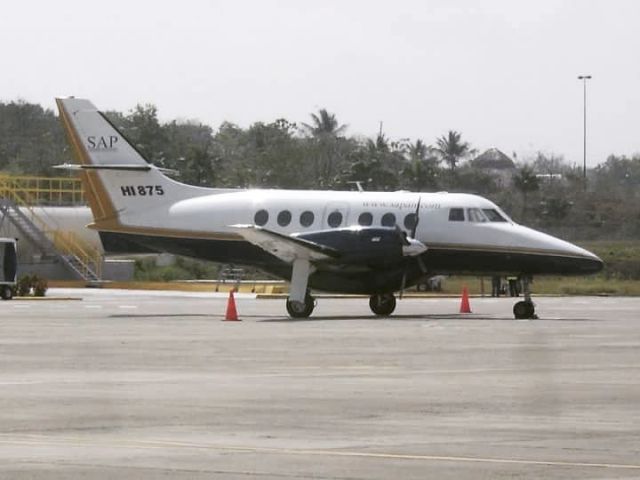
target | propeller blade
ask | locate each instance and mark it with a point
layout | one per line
(402, 235)
(417, 219)
(403, 284)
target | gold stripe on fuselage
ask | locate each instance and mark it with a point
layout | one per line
(499, 249)
(164, 232)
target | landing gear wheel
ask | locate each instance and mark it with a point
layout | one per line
(524, 310)
(382, 305)
(301, 310)
(6, 293)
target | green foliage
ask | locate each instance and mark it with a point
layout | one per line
(23, 285)
(183, 269)
(40, 286)
(31, 285)
(31, 139)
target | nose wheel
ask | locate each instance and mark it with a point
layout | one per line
(382, 305)
(525, 309)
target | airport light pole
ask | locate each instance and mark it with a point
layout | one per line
(584, 79)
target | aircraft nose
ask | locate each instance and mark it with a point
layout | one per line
(591, 264)
(584, 262)
(561, 257)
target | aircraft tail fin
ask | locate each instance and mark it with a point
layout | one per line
(116, 176)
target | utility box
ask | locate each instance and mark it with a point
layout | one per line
(8, 267)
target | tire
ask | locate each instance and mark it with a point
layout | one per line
(295, 312)
(382, 305)
(6, 292)
(524, 310)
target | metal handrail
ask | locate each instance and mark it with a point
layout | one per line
(26, 192)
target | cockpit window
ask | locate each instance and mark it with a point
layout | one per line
(493, 215)
(476, 215)
(456, 215)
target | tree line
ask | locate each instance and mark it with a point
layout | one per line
(545, 192)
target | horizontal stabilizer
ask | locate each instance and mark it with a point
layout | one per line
(285, 247)
(122, 167)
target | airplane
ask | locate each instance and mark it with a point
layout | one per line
(353, 242)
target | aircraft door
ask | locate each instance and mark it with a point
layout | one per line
(336, 215)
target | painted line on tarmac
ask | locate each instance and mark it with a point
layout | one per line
(34, 440)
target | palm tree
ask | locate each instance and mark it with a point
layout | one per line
(418, 151)
(452, 148)
(324, 124)
(422, 165)
(326, 145)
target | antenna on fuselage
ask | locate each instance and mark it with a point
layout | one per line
(358, 184)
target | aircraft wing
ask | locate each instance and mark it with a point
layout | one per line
(286, 247)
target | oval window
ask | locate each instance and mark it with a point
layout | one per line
(410, 221)
(365, 219)
(284, 218)
(307, 218)
(388, 220)
(334, 219)
(261, 218)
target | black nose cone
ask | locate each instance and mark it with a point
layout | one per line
(593, 265)
(586, 265)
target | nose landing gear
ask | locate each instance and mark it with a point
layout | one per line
(525, 309)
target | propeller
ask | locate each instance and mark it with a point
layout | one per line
(411, 242)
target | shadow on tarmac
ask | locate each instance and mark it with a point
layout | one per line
(344, 318)
(427, 317)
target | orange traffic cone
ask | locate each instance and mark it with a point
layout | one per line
(232, 313)
(464, 304)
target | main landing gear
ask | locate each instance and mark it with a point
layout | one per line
(301, 309)
(300, 303)
(525, 309)
(383, 304)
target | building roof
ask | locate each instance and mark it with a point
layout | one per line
(493, 158)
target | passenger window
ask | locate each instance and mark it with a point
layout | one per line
(388, 220)
(261, 218)
(365, 219)
(284, 218)
(475, 215)
(334, 219)
(493, 215)
(456, 215)
(306, 218)
(410, 221)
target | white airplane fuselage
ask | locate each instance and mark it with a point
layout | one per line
(453, 247)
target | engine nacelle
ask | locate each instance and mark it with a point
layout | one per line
(361, 244)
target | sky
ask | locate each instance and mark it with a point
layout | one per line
(501, 72)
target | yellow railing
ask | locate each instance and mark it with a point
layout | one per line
(28, 192)
(90, 258)
(60, 191)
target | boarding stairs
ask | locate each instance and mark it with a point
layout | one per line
(84, 262)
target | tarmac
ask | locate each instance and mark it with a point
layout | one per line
(148, 385)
